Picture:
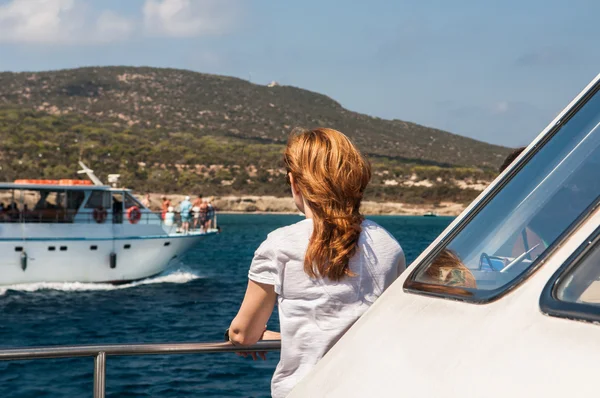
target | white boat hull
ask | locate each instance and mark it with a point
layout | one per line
(89, 260)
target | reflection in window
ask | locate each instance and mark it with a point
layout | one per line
(527, 215)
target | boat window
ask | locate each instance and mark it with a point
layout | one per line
(522, 219)
(131, 201)
(12, 206)
(96, 200)
(583, 284)
(43, 205)
(75, 199)
(574, 291)
(6, 198)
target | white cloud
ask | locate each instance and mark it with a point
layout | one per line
(75, 22)
(36, 20)
(186, 18)
(111, 26)
(59, 21)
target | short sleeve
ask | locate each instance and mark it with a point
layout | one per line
(265, 267)
(401, 261)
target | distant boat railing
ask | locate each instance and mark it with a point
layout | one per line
(100, 352)
(87, 216)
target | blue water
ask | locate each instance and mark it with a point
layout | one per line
(193, 302)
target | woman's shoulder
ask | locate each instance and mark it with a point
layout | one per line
(376, 234)
(301, 228)
(288, 238)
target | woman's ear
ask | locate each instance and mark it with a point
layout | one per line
(293, 184)
(298, 199)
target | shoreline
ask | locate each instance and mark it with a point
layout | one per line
(251, 204)
(287, 213)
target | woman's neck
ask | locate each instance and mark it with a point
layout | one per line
(307, 211)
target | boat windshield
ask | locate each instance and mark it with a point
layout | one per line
(534, 208)
(131, 201)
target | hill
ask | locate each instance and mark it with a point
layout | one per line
(178, 100)
(169, 130)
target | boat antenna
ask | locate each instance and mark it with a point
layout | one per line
(90, 173)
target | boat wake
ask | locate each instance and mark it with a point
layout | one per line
(177, 276)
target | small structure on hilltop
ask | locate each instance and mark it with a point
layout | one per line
(273, 84)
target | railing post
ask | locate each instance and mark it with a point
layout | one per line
(100, 375)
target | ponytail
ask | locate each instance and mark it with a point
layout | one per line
(331, 175)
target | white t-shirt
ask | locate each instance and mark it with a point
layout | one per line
(315, 313)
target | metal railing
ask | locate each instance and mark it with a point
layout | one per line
(86, 216)
(100, 352)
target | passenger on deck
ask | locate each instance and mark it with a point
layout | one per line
(210, 215)
(202, 215)
(196, 211)
(511, 158)
(3, 212)
(164, 206)
(13, 211)
(170, 217)
(185, 207)
(26, 213)
(325, 271)
(146, 201)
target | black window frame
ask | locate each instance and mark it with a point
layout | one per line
(476, 296)
(551, 305)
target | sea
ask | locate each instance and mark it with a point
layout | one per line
(191, 302)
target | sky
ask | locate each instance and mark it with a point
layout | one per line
(496, 71)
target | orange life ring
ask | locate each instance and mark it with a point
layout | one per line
(134, 214)
(100, 214)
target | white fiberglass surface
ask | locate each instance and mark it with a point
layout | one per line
(531, 211)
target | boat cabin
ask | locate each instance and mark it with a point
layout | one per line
(65, 201)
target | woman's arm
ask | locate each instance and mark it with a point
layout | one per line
(248, 326)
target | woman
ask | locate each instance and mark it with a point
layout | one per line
(325, 271)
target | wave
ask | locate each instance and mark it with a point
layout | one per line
(177, 276)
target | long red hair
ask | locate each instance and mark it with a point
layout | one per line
(331, 175)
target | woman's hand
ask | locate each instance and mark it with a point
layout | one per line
(267, 335)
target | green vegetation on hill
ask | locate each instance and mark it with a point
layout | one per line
(38, 145)
(167, 130)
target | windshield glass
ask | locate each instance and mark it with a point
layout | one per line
(526, 216)
(582, 284)
(130, 201)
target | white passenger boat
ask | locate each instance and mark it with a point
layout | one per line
(506, 302)
(78, 231)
